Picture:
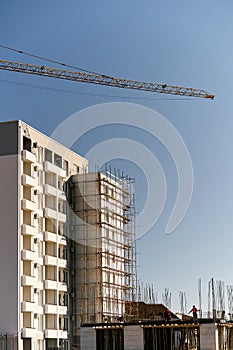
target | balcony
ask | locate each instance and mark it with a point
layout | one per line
(28, 181)
(53, 237)
(62, 240)
(55, 309)
(28, 230)
(28, 255)
(53, 333)
(53, 191)
(54, 285)
(50, 237)
(28, 157)
(50, 260)
(54, 261)
(62, 263)
(51, 168)
(53, 214)
(61, 217)
(28, 332)
(27, 306)
(49, 284)
(62, 310)
(61, 195)
(29, 205)
(28, 280)
(50, 213)
(51, 309)
(50, 190)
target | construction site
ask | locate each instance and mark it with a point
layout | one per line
(72, 238)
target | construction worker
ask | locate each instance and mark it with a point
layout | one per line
(194, 310)
(167, 315)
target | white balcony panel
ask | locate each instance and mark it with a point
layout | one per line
(51, 309)
(29, 205)
(62, 310)
(62, 263)
(28, 157)
(62, 334)
(50, 260)
(29, 181)
(62, 287)
(53, 191)
(61, 217)
(28, 280)
(53, 214)
(28, 255)
(51, 168)
(50, 213)
(53, 333)
(50, 190)
(28, 230)
(61, 195)
(32, 333)
(62, 240)
(53, 237)
(50, 284)
(53, 261)
(28, 332)
(50, 237)
(27, 306)
(55, 309)
(54, 285)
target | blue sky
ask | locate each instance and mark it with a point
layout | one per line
(180, 42)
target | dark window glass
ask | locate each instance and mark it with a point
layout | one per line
(27, 144)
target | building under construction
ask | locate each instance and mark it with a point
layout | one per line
(102, 245)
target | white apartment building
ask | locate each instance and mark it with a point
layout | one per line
(34, 278)
(67, 242)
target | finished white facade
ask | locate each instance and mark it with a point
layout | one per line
(67, 243)
(34, 272)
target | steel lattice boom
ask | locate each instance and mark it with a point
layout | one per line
(102, 79)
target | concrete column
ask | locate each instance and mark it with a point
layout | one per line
(209, 337)
(88, 338)
(133, 338)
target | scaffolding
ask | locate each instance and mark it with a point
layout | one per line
(102, 246)
(163, 337)
(8, 341)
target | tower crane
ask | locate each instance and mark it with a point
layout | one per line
(95, 78)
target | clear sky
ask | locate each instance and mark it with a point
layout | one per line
(187, 43)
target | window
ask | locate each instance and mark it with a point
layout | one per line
(66, 299)
(66, 323)
(65, 276)
(48, 155)
(27, 144)
(58, 160)
(112, 192)
(66, 167)
(64, 254)
(76, 169)
(106, 189)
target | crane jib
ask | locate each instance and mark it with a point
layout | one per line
(102, 79)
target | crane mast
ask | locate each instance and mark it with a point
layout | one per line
(99, 79)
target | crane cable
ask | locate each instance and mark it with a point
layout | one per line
(96, 94)
(49, 60)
